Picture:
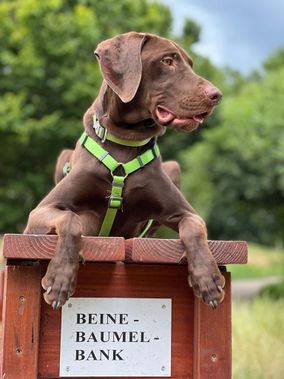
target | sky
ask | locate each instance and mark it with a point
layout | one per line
(240, 34)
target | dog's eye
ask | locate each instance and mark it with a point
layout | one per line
(168, 61)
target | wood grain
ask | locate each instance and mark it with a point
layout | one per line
(2, 279)
(171, 250)
(29, 246)
(21, 315)
(201, 337)
(144, 250)
(123, 280)
(212, 338)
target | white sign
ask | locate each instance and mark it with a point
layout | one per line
(116, 337)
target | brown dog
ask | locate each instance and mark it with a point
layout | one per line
(148, 85)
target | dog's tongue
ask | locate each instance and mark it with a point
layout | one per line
(164, 115)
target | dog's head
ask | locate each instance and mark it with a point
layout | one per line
(145, 68)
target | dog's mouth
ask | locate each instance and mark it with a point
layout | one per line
(168, 118)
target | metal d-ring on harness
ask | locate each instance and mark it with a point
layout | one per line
(118, 182)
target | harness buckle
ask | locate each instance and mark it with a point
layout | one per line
(104, 135)
(66, 168)
(102, 157)
(115, 202)
(101, 131)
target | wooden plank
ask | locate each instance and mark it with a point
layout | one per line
(2, 278)
(21, 315)
(29, 246)
(212, 338)
(147, 250)
(122, 280)
(171, 250)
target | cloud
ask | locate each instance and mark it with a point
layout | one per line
(238, 34)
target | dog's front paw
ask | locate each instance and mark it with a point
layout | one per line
(59, 282)
(208, 284)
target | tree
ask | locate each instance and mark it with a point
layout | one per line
(275, 61)
(48, 78)
(191, 31)
(235, 176)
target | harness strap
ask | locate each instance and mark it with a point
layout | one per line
(146, 228)
(114, 203)
(104, 134)
(115, 199)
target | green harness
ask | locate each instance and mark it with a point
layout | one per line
(118, 182)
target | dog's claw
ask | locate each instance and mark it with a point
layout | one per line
(82, 259)
(183, 259)
(189, 282)
(213, 304)
(55, 305)
(220, 289)
(49, 289)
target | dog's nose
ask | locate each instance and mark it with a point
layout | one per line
(214, 94)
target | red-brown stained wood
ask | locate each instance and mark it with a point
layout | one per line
(170, 251)
(21, 315)
(147, 250)
(212, 338)
(2, 277)
(133, 280)
(29, 246)
(201, 337)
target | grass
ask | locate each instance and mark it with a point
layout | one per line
(258, 325)
(258, 330)
(262, 261)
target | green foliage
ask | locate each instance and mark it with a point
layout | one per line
(191, 31)
(49, 77)
(263, 261)
(235, 177)
(233, 166)
(275, 61)
(274, 291)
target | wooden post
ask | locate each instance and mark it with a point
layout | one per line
(148, 268)
(21, 322)
(212, 338)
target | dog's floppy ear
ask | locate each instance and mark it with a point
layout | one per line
(121, 65)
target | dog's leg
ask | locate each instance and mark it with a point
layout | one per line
(173, 171)
(175, 212)
(204, 275)
(61, 276)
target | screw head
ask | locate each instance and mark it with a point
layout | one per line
(214, 358)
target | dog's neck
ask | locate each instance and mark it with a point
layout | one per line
(124, 120)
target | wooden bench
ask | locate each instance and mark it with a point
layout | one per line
(136, 268)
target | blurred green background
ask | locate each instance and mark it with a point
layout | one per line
(233, 166)
(233, 171)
